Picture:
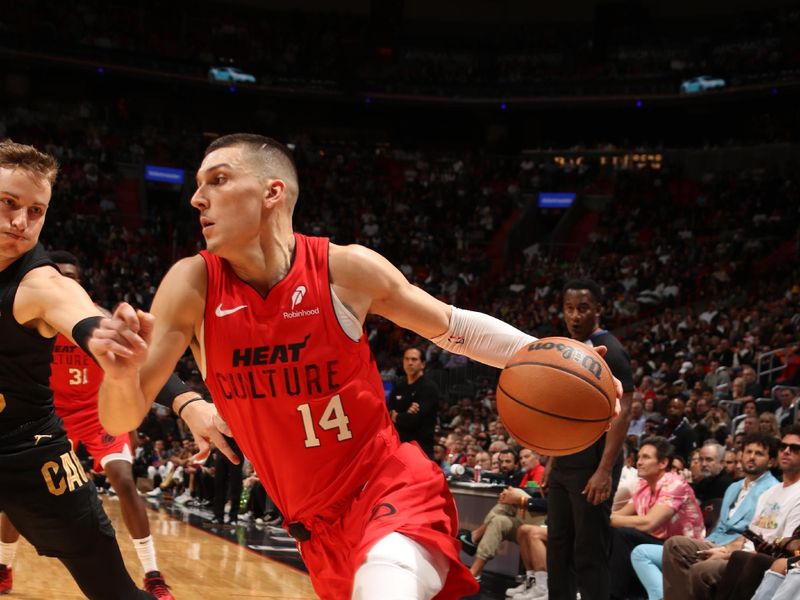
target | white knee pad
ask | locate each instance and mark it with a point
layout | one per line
(398, 568)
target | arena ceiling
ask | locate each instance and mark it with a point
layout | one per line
(495, 11)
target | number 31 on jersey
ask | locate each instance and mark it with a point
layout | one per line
(79, 376)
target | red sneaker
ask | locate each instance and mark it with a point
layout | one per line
(155, 584)
(6, 580)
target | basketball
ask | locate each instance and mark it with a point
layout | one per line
(556, 396)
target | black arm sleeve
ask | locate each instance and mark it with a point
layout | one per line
(82, 332)
(174, 387)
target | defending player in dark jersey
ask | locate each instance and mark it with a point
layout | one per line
(275, 322)
(44, 489)
(75, 379)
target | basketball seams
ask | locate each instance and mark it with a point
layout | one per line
(549, 414)
(563, 370)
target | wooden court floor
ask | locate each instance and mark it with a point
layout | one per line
(196, 564)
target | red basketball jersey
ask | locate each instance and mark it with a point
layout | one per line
(74, 377)
(304, 401)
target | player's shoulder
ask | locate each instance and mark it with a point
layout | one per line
(355, 262)
(350, 252)
(45, 284)
(185, 282)
(42, 275)
(187, 272)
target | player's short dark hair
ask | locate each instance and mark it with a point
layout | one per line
(63, 257)
(272, 151)
(585, 284)
(769, 443)
(664, 450)
(28, 158)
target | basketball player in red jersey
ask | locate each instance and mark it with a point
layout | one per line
(274, 320)
(75, 379)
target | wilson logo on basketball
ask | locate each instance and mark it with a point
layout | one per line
(567, 353)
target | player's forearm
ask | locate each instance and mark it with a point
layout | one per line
(121, 405)
(617, 433)
(482, 338)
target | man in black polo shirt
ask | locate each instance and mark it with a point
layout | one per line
(581, 486)
(414, 401)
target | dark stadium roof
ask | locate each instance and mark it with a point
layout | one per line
(517, 10)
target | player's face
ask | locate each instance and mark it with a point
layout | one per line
(581, 314)
(229, 197)
(24, 199)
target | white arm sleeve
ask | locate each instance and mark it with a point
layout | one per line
(482, 338)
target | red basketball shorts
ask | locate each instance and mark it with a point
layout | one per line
(104, 447)
(407, 494)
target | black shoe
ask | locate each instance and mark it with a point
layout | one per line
(467, 545)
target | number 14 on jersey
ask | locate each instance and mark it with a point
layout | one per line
(333, 417)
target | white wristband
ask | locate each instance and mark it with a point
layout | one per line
(482, 338)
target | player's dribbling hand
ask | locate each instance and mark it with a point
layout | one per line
(208, 429)
(120, 342)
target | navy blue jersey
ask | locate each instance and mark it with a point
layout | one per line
(25, 356)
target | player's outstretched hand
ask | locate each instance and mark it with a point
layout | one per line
(121, 341)
(601, 350)
(208, 429)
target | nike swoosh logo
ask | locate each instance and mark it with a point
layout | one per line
(224, 312)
